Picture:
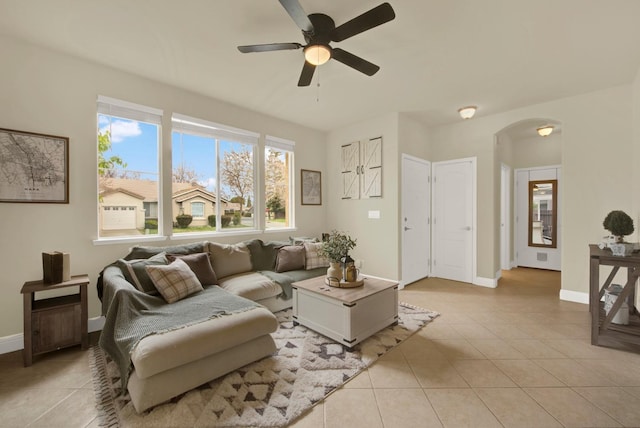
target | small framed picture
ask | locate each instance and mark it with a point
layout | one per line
(35, 167)
(311, 187)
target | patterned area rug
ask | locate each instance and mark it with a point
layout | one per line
(272, 392)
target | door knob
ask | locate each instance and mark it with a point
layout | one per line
(467, 228)
(407, 228)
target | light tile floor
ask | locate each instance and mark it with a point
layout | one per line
(514, 356)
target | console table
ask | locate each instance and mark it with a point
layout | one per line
(603, 331)
(55, 322)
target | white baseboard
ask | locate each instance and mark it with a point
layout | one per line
(15, 342)
(485, 282)
(574, 296)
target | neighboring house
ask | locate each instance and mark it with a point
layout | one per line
(126, 204)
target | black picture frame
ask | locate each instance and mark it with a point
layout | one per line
(311, 187)
(35, 167)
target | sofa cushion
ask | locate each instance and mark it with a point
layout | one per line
(251, 285)
(263, 254)
(160, 352)
(200, 264)
(174, 281)
(134, 271)
(229, 259)
(144, 252)
(313, 259)
(290, 257)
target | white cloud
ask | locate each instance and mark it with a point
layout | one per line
(121, 129)
(209, 183)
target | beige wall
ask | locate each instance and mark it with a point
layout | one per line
(537, 151)
(377, 239)
(46, 92)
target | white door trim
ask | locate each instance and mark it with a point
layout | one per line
(505, 217)
(474, 215)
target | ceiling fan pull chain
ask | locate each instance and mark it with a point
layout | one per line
(318, 87)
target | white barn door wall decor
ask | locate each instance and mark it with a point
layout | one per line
(362, 169)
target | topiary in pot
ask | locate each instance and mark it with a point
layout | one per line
(619, 224)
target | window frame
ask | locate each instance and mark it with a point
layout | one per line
(115, 108)
(208, 129)
(288, 146)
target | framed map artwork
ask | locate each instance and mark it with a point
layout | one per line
(311, 187)
(33, 167)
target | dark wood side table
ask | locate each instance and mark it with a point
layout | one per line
(55, 322)
(603, 331)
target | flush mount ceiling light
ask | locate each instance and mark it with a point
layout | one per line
(545, 131)
(467, 112)
(317, 54)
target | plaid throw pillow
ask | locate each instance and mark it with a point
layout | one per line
(313, 259)
(175, 281)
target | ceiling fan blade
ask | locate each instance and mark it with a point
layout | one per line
(368, 20)
(353, 61)
(269, 47)
(297, 13)
(307, 74)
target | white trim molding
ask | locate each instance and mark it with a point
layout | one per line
(574, 296)
(485, 282)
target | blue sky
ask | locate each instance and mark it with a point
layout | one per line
(136, 143)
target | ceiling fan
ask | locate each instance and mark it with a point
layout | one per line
(319, 30)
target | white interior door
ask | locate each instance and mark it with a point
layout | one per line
(416, 208)
(454, 219)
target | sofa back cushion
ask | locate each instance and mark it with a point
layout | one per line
(229, 259)
(144, 252)
(200, 264)
(290, 257)
(263, 254)
(134, 271)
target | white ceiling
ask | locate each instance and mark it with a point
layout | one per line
(436, 56)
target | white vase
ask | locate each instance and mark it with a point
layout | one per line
(335, 271)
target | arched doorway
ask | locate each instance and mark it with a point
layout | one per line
(520, 148)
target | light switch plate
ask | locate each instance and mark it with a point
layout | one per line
(374, 214)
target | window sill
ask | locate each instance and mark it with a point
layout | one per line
(204, 235)
(128, 239)
(284, 229)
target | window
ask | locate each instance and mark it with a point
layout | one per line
(197, 209)
(128, 168)
(204, 155)
(278, 167)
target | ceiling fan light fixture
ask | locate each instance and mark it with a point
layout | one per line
(317, 54)
(467, 112)
(545, 131)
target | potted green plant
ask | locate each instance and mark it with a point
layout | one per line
(335, 247)
(619, 224)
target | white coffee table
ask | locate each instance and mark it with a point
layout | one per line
(346, 315)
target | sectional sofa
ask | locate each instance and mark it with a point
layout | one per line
(177, 317)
